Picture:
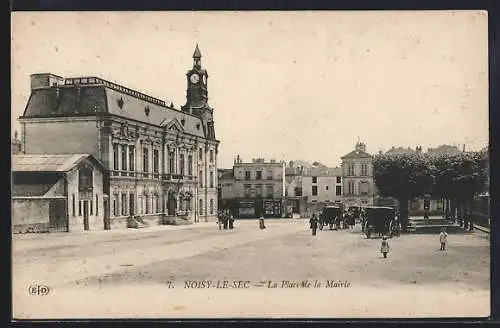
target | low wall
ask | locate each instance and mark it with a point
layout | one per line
(30, 215)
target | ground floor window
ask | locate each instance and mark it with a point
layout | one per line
(124, 204)
(91, 205)
(148, 205)
(201, 206)
(211, 206)
(157, 202)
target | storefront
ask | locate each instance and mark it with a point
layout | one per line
(272, 208)
(246, 208)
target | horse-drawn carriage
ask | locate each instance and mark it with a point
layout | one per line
(381, 220)
(330, 216)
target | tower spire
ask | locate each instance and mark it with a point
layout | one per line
(197, 57)
(197, 52)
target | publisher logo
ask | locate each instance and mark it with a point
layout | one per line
(38, 290)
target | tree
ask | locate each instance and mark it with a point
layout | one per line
(458, 179)
(403, 176)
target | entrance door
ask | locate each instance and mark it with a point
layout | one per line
(131, 205)
(57, 216)
(86, 215)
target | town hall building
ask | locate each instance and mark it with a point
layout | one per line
(159, 162)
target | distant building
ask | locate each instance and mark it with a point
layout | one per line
(226, 188)
(357, 177)
(16, 144)
(402, 150)
(57, 193)
(444, 149)
(322, 185)
(295, 200)
(259, 187)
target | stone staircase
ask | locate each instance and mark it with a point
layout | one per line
(432, 225)
(136, 222)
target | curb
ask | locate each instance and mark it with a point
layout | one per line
(483, 229)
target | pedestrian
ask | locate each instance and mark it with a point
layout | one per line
(313, 222)
(442, 239)
(231, 220)
(219, 218)
(261, 222)
(384, 247)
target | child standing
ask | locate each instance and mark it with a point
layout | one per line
(442, 239)
(384, 247)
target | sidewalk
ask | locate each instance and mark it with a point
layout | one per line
(23, 242)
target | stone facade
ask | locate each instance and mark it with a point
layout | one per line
(357, 177)
(259, 179)
(160, 161)
(322, 185)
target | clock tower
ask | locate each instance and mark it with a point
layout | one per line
(197, 95)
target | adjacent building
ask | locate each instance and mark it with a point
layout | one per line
(226, 190)
(259, 187)
(57, 193)
(159, 161)
(295, 201)
(322, 185)
(357, 177)
(16, 145)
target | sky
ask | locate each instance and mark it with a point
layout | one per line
(284, 85)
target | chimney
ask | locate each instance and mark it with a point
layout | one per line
(45, 80)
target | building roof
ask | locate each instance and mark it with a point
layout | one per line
(226, 174)
(400, 150)
(31, 189)
(322, 171)
(47, 162)
(444, 149)
(90, 95)
(357, 153)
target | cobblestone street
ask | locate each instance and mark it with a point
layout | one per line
(143, 273)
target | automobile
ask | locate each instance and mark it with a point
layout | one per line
(330, 215)
(380, 220)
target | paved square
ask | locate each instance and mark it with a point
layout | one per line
(282, 271)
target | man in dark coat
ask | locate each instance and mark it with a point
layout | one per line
(313, 224)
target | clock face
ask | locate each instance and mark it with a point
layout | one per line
(195, 78)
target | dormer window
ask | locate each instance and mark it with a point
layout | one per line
(120, 103)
